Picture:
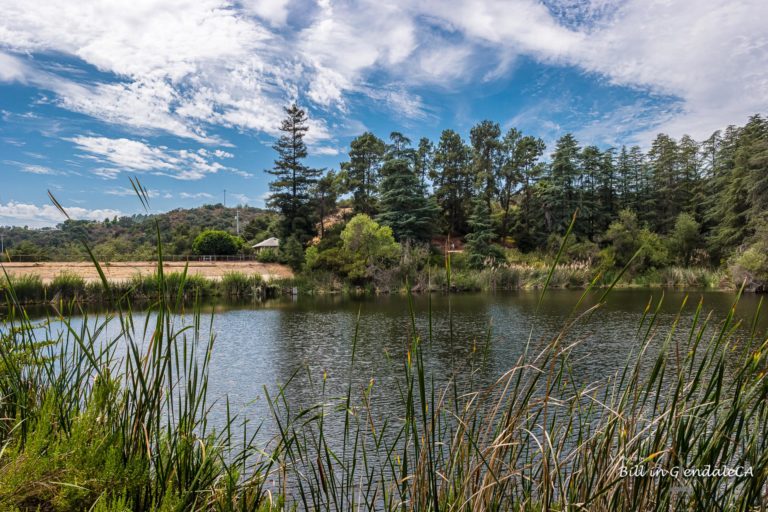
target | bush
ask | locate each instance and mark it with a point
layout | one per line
(292, 253)
(367, 244)
(685, 238)
(218, 243)
(268, 256)
(751, 267)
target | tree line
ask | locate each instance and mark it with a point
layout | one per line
(507, 189)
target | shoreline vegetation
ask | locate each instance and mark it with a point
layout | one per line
(122, 422)
(68, 286)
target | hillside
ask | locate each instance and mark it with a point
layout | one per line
(134, 237)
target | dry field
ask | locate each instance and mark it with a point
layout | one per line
(122, 271)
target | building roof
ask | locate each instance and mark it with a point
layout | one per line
(269, 242)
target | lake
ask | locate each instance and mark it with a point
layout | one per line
(474, 338)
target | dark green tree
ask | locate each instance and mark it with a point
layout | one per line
(423, 161)
(482, 250)
(290, 189)
(486, 158)
(452, 180)
(403, 206)
(361, 172)
(326, 193)
(564, 177)
(664, 162)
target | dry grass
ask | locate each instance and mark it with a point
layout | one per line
(124, 271)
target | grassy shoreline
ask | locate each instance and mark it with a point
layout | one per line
(30, 289)
(84, 429)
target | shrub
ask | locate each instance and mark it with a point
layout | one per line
(367, 244)
(219, 243)
(685, 238)
(268, 256)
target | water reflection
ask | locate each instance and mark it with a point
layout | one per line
(468, 337)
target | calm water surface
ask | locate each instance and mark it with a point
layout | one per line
(474, 337)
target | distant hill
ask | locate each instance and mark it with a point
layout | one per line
(134, 237)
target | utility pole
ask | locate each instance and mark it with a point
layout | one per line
(225, 198)
(237, 221)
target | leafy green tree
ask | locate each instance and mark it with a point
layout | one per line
(685, 238)
(262, 227)
(480, 239)
(626, 237)
(623, 235)
(217, 243)
(452, 180)
(361, 172)
(366, 244)
(28, 251)
(403, 206)
(290, 190)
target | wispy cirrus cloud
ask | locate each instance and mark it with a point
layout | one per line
(123, 154)
(190, 67)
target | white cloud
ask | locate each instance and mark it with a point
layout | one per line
(186, 66)
(129, 192)
(133, 155)
(273, 11)
(38, 169)
(22, 214)
(196, 195)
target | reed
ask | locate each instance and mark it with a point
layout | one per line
(97, 418)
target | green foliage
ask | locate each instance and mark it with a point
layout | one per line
(361, 173)
(452, 180)
(626, 238)
(240, 285)
(218, 243)
(404, 208)
(482, 250)
(366, 244)
(292, 253)
(290, 190)
(685, 238)
(27, 251)
(68, 285)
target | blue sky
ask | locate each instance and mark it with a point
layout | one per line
(187, 94)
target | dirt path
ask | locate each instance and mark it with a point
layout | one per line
(122, 271)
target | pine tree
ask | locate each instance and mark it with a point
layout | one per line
(290, 190)
(518, 167)
(366, 154)
(424, 160)
(326, 193)
(486, 152)
(452, 180)
(663, 159)
(564, 174)
(404, 208)
(481, 236)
